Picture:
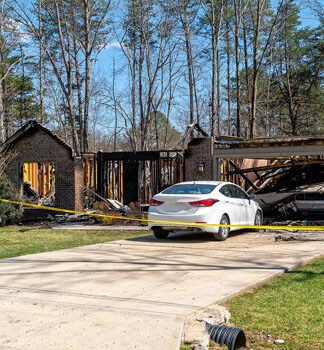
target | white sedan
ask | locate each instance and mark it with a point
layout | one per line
(202, 202)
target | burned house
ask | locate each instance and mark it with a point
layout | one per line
(44, 168)
(46, 171)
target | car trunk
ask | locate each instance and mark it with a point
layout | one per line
(177, 204)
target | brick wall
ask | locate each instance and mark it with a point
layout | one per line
(200, 150)
(37, 146)
(79, 183)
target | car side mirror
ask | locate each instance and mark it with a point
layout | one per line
(252, 196)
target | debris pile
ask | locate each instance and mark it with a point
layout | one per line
(299, 236)
(31, 195)
(286, 188)
(105, 204)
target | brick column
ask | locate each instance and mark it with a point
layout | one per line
(200, 151)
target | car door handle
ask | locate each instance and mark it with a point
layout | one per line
(241, 204)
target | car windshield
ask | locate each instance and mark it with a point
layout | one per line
(189, 189)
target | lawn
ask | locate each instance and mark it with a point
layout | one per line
(290, 307)
(23, 240)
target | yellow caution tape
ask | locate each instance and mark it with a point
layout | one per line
(167, 222)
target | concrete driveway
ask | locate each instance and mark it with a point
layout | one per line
(132, 294)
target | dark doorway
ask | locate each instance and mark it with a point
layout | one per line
(130, 181)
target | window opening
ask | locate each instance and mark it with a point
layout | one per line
(39, 183)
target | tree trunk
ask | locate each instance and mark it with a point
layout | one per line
(219, 26)
(66, 55)
(169, 103)
(157, 142)
(115, 105)
(40, 67)
(77, 78)
(228, 71)
(237, 16)
(218, 104)
(253, 107)
(269, 81)
(87, 75)
(214, 70)
(2, 114)
(195, 91)
(140, 96)
(290, 102)
(247, 73)
(185, 28)
(133, 93)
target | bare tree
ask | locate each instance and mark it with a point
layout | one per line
(228, 68)
(65, 77)
(41, 61)
(2, 126)
(238, 13)
(72, 27)
(258, 17)
(94, 16)
(187, 35)
(215, 14)
(6, 65)
(188, 13)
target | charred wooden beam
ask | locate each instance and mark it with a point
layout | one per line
(244, 176)
(275, 166)
(133, 156)
(100, 175)
(271, 152)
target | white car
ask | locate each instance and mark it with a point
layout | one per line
(211, 202)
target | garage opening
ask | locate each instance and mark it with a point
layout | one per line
(286, 175)
(38, 183)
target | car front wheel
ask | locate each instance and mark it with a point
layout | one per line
(223, 232)
(258, 219)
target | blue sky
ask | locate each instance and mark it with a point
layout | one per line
(104, 64)
(105, 59)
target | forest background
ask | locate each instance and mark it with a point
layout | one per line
(132, 74)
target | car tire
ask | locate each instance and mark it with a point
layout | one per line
(258, 220)
(160, 234)
(223, 232)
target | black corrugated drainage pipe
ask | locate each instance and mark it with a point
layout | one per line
(233, 338)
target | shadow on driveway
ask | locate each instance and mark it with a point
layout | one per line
(187, 237)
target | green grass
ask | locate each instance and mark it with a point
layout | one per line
(290, 307)
(23, 240)
(186, 347)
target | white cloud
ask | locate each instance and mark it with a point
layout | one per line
(113, 44)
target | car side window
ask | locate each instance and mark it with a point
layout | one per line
(234, 191)
(239, 193)
(244, 194)
(226, 191)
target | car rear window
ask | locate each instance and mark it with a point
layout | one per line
(189, 189)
